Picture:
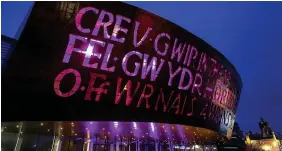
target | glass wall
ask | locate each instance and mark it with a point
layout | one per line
(28, 142)
(51, 137)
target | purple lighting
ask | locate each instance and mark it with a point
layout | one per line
(135, 125)
(152, 127)
(116, 124)
(181, 131)
(153, 132)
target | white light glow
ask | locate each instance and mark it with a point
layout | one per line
(266, 147)
(152, 127)
(115, 124)
(88, 146)
(89, 50)
(58, 145)
(274, 143)
(134, 125)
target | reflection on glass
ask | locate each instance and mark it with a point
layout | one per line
(95, 136)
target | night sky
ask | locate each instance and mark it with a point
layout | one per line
(249, 34)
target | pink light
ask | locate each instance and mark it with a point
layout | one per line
(89, 52)
(59, 78)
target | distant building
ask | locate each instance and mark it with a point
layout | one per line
(237, 132)
(236, 142)
(7, 47)
(265, 141)
(279, 136)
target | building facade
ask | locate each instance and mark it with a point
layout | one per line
(113, 77)
(7, 46)
(236, 142)
(265, 141)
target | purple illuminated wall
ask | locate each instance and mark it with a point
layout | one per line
(95, 61)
